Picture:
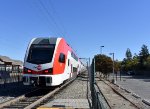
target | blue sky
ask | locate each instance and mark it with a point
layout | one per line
(85, 24)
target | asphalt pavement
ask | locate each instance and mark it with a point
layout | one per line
(140, 85)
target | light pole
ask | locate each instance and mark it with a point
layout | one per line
(101, 49)
(113, 66)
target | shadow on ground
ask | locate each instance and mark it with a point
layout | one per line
(14, 89)
(145, 78)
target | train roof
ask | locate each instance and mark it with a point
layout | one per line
(49, 40)
(45, 40)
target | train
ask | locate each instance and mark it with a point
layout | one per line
(50, 61)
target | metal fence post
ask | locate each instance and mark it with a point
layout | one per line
(92, 86)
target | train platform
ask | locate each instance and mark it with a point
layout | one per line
(66, 104)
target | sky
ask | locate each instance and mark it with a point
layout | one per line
(85, 24)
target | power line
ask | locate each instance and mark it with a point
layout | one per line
(51, 17)
(48, 19)
(58, 17)
(44, 15)
(54, 12)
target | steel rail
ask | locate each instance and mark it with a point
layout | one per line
(48, 95)
(35, 102)
(15, 99)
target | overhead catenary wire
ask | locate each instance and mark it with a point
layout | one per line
(55, 15)
(53, 18)
(56, 26)
(49, 21)
(54, 12)
(42, 14)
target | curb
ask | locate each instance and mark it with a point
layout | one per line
(127, 90)
(120, 94)
(117, 85)
(146, 101)
(122, 88)
(135, 95)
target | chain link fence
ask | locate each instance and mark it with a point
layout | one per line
(97, 99)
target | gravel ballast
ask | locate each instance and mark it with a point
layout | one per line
(12, 90)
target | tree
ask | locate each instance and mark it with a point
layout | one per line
(103, 64)
(144, 53)
(123, 65)
(127, 62)
(117, 65)
(128, 54)
(135, 62)
(148, 63)
(139, 63)
(130, 63)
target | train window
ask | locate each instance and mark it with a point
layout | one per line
(71, 68)
(74, 69)
(62, 58)
(74, 56)
(41, 54)
(68, 62)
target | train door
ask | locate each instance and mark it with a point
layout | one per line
(78, 69)
(69, 68)
(71, 71)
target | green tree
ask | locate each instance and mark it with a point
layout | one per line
(117, 65)
(148, 63)
(128, 54)
(135, 63)
(139, 63)
(129, 63)
(103, 64)
(143, 55)
(123, 65)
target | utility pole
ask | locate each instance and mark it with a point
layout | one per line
(101, 49)
(113, 68)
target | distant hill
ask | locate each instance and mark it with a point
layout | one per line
(8, 59)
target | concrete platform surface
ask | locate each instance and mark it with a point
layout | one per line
(66, 104)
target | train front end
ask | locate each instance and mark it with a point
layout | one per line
(38, 62)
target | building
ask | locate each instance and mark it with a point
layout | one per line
(9, 67)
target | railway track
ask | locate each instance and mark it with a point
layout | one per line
(33, 99)
(137, 102)
(114, 99)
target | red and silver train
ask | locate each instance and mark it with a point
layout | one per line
(49, 62)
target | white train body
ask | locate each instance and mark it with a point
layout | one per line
(49, 62)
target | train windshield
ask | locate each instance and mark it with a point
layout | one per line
(40, 54)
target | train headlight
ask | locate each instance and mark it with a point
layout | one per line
(48, 71)
(29, 71)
